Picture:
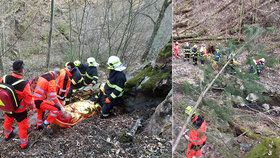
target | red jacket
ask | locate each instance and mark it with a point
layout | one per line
(22, 90)
(46, 88)
(197, 138)
(63, 83)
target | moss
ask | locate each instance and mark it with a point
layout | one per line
(268, 148)
(154, 77)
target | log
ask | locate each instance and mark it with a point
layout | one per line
(135, 127)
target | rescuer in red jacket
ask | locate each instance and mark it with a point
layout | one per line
(64, 82)
(197, 136)
(176, 50)
(45, 98)
(24, 94)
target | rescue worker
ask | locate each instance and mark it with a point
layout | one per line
(64, 82)
(114, 87)
(187, 49)
(202, 54)
(82, 67)
(217, 55)
(22, 89)
(91, 75)
(176, 50)
(259, 64)
(194, 54)
(45, 98)
(197, 136)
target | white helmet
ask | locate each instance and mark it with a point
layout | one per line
(114, 63)
(187, 44)
(195, 46)
(91, 62)
(262, 60)
(77, 63)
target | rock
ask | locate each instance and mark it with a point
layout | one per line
(237, 100)
(252, 97)
(245, 147)
(160, 122)
(266, 107)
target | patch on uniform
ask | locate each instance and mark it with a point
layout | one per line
(1, 103)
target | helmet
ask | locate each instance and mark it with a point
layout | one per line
(66, 64)
(188, 110)
(195, 46)
(91, 62)
(176, 42)
(262, 60)
(187, 44)
(77, 63)
(114, 63)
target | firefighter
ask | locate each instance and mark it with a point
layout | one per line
(217, 55)
(187, 49)
(114, 87)
(194, 54)
(176, 50)
(82, 67)
(45, 98)
(91, 75)
(64, 82)
(197, 135)
(24, 94)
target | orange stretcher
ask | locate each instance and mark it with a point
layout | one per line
(77, 112)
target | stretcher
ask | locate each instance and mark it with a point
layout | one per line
(77, 112)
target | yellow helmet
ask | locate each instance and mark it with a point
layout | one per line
(188, 110)
(77, 63)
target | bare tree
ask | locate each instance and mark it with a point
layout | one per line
(166, 3)
(50, 35)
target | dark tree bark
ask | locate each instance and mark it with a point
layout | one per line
(50, 35)
(165, 5)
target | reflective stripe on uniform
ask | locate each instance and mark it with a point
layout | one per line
(81, 80)
(113, 95)
(114, 86)
(38, 95)
(60, 97)
(73, 81)
(62, 90)
(39, 89)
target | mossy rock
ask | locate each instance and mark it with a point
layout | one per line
(268, 148)
(154, 77)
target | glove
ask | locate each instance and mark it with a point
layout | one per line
(107, 101)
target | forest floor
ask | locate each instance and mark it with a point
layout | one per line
(223, 139)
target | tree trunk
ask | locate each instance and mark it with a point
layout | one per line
(166, 3)
(50, 35)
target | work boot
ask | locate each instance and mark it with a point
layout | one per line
(24, 146)
(48, 129)
(39, 127)
(10, 136)
(104, 116)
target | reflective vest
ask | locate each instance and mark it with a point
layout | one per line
(187, 50)
(194, 52)
(114, 86)
(91, 75)
(63, 83)
(46, 88)
(22, 90)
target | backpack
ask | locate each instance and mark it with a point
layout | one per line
(9, 101)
